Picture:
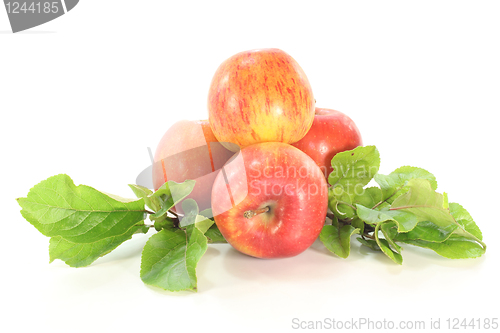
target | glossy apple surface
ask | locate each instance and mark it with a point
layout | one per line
(260, 96)
(189, 150)
(282, 183)
(331, 132)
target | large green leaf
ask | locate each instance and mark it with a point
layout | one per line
(425, 203)
(427, 231)
(369, 197)
(79, 214)
(463, 218)
(455, 247)
(79, 255)
(431, 206)
(353, 169)
(395, 184)
(169, 259)
(405, 221)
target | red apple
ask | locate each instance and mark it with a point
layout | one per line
(260, 96)
(331, 132)
(270, 200)
(189, 150)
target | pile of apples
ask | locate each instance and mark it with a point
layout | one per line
(262, 158)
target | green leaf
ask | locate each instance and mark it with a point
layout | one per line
(165, 222)
(369, 197)
(369, 243)
(455, 247)
(390, 231)
(358, 224)
(395, 184)
(405, 221)
(462, 216)
(355, 168)
(427, 231)
(80, 255)
(429, 205)
(340, 203)
(170, 194)
(425, 203)
(79, 214)
(145, 193)
(203, 223)
(337, 238)
(386, 248)
(169, 259)
(191, 216)
(214, 235)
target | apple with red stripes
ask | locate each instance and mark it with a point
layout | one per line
(260, 96)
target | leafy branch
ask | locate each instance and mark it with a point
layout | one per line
(405, 208)
(84, 224)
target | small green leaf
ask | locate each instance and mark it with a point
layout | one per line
(169, 259)
(337, 238)
(191, 216)
(79, 214)
(214, 235)
(203, 223)
(386, 248)
(395, 184)
(390, 231)
(369, 243)
(191, 210)
(455, 247)
(145, 193)
(79, 255)
(405, 221)
(170, 194)
(358, 224)
(164, 222)
(353, 169)
(340, 203)
(393, 255)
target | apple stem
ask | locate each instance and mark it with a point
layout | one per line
(251, 213)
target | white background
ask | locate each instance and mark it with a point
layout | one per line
(87, 94)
